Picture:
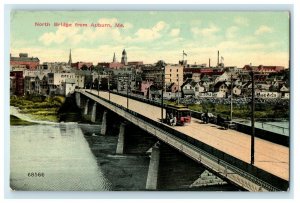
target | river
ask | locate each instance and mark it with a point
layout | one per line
(71, 156)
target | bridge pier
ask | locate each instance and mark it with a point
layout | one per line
(104, 123)
(152, 177)
(77, 97)
(86, 107)
(93, 113)
(120, 145)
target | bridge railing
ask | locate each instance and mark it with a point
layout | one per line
(257, 175)
(260, 133)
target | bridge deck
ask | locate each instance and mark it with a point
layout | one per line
(269, 156)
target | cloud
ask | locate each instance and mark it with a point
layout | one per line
(60, 36)
(241, 21)
(151, 33)
(76, 35)
(128, 25)
(231, 31)
(263, 29)
(175, 32)
(208, 31)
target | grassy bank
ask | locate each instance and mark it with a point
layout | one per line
(242, 111)
(17, 121)
(38, 107)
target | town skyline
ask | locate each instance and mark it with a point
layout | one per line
(260, 38)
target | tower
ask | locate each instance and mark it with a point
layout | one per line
(124, 57)
(114, 58)
(70, 58)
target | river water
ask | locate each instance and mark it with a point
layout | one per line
(74, 157)
(71, 159)
(280, 127)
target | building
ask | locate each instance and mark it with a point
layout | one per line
(55, 67)
(152, 73)
(135, 63)
(124, 58)
(264, 69)
(174, 74)
(29, 85)
(82, 65)
(68, 86)
(16, 83)
(41, 84)
(112, 65)
(55, 81)
(23, 59)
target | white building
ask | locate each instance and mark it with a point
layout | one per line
(68, 87)
(174, 74)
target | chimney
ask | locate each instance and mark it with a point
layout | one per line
(209, 63)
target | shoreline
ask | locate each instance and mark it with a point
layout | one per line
(17, 118)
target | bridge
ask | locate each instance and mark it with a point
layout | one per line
(225, 153)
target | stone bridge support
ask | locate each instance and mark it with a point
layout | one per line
(121, 138)
(104, 123)
(171, 170)
(77, 98)
(86, 107)
(94, 112)
(152, 176)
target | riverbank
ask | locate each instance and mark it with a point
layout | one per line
(14, 120)
(38, 108)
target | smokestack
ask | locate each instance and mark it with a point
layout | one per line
(218, 59)
(209, 63)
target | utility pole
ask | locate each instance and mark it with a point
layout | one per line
(162, 90)
(108, 86)
(127, 89)
(98, 82)
(91, 80)
(231, 99)
(252, 117)
(178, 90)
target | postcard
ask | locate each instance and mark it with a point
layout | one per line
(149, 100)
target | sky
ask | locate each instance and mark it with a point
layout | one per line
(260, 38)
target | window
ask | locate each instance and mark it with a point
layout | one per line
(177, 70)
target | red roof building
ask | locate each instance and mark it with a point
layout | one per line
(23, 59)
(79, 65)
(264, 69)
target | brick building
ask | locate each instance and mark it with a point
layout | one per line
(16, 83)
(264, 69)
(112, 65)
(79, 65)
(23, 59)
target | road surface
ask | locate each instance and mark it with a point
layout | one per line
(269, 156)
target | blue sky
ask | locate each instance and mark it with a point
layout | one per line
(241, 37)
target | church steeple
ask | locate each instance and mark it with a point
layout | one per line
(114, 58)
(124, 57)
(70, 58)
